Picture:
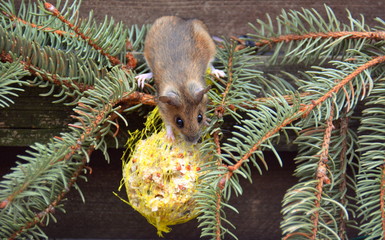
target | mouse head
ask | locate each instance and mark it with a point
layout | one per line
(185, 111)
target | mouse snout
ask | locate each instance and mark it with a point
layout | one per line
(192, 138)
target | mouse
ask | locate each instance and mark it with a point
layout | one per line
(179, 52)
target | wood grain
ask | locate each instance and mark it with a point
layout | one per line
(223, 17)
(227, 17)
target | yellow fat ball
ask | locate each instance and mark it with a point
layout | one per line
(161, 179)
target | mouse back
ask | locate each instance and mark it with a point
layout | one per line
(178, 53)
(178, 50)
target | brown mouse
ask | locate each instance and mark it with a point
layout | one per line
(178, 53)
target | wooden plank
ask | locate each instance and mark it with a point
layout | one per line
(224, 17)
(32, 118)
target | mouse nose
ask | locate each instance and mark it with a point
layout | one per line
(192, 139)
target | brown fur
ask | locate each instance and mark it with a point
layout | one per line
(178, 53)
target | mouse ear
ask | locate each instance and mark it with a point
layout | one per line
(173, 101)
(199, 94)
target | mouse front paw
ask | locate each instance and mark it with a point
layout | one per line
(169, 134)
(141, 78)
(218, 73)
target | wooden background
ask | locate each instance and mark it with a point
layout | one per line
(103, 215)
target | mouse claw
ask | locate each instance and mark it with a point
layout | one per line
(218, 73)
(207, 122)
(141, 78)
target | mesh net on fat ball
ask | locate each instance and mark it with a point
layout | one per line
(160, 176)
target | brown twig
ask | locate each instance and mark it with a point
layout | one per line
(218, 216)
(218, 195)
(230, 79)
(217, 141)
(138, 98)
(377, 36)
(296, 234)
(17, 19)
(289, 99)
(220, 110)
(322, 171)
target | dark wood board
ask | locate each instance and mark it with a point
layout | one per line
(224, 17)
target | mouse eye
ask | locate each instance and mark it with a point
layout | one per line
(200, 118)
(179, 122)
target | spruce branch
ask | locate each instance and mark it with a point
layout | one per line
(51, 8)
(45, 76)
(50, 67)
(306, 109)
(308, 38)
(315, 99)
(11, 75)
(316, 207)
(9, 12)
(51, 208)
(61, 159)
(370, 183)
(376, 36)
